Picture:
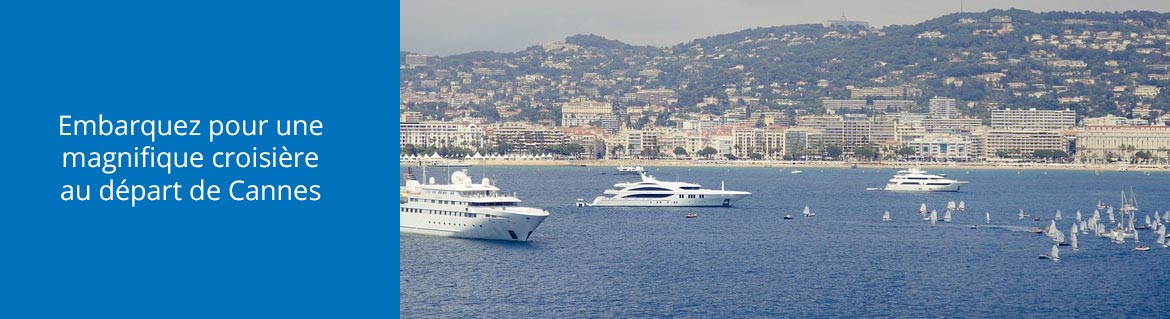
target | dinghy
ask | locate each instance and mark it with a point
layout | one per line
(962, 206)
(886, 216)
(947, 216)
(1054, 255)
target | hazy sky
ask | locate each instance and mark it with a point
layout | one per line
(444, 27)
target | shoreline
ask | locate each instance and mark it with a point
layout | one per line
(819, 164)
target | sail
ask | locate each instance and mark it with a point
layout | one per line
(1055, 251)
(807, 212)
(1147, 220)
(1021, 214)
(947, 216)
(1110, 213)
(886, 216)
(933, 217)
(1073, 241)
(951, 205)
(962, 206)
(922, 209)
(988, 217)
(1096, 214)
(1058, 215)
(1051, 231)
(1079, 215)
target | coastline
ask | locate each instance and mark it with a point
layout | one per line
(813, 164)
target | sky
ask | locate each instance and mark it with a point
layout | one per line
(445, 27)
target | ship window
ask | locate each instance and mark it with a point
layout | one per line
(649, 189)
(647, 196)
(690, 187)
(680, 196)
(702, 196)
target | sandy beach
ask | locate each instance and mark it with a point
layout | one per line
(816, 164)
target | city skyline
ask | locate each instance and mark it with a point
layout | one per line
(453, 27)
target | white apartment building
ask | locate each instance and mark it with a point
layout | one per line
(768, 141)
(1095, 142)
(942, 147)
(943, 108)
(582, 112)
(1033, 119)
(440, 134)
(1021, 143)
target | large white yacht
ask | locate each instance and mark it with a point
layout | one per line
(464, 209)
(917, 180)
(652, 192)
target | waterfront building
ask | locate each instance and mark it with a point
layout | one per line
(1101, 143)
(1033, 119)
(441, 134)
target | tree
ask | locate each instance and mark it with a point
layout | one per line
(865, 152)
(679, 151)
(833, 151)
(708, 151)
(755, 156)
(906, 151)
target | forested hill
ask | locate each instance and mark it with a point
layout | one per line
(1093, 62)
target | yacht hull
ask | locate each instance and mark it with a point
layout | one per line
(708, 200)
(502, 225)
(924, 188)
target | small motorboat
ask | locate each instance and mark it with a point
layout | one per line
(693, 215)
(1037, 231)
(795, 172)
(1036, 219)
(1142, 248)
(580, 202)
(974, 226)
(787, 216)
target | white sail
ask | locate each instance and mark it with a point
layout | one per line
(1096, 214)
(1058, 215)
(951, 205)
(1021, 214)
(988, 217)
(1162, 240)
(1110, 213)
(1157, 217)
(1129, 226)
(1055, 251)
(962, 206)
(1079, 215)
(886, 216)
(1073, 241)
(947, 216)
(1148, 220)
(1051, 231)
(1135, 236)
(933, 217)
(922, 209)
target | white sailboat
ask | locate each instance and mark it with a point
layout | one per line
(1022, 214)
(951, 205)
(933, 217)
(1148, 224)
(1079, 216)
(988, 214)
(922, 210)
(1054, 255)
(1162, 241)
(886, 216)
(808, 213)
(947, 216)
(1051, 230)
(1073, 241)
(962, 206)
(1058, 217)
(1097, 215)
(1110, 213)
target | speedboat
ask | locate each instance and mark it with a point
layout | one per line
(650, 192)
(630, 170)
(787, 216)
(1142, 248)
(692, 215)
(917, 180)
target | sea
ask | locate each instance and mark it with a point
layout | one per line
(746, 261)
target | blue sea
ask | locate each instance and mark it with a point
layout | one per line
(747, 262)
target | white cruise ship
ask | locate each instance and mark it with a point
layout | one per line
(466, 210)
(652, 192)
(916, 180)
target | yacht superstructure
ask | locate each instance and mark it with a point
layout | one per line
(630, 170)
(466, 210)
(651, 192)
(917, 180)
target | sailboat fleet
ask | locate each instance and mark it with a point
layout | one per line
(1119, 228)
